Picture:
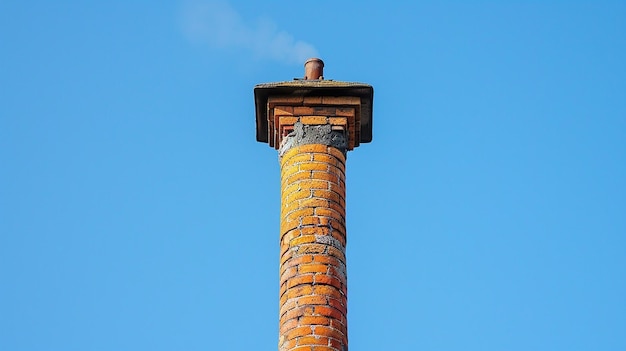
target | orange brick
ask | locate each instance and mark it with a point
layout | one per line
(282, 300)
(338, 271)
(340, 237)
(346, 111)
(326, 194)
(312, 300)
(329, 312)
(297, 214)
(312, 148)
(309, 220)
(332, 261)
(289, 324)
(327, 111)
(328, 213)
(313, 268)
(338, 208)
(337, 253)
(287, 256)
(312, 249)
(289, 344)
(339, 325)
(286, 226)
(282, 290)
(338, 154)
(305, 239)
(335, 303)
(328, 280)
(328, 159)
(325, 176)
(327, 290)
(298, 291)
(315, 230)
(338, 170)
(288, 171)
(300, 279)
(303, 110)
(290, 188)
(328, 332)
(336, 344)
(304, 348)
(314, 320)
(296, 176)
(313, 120)
(313, 203)
(284, 249)
(297, 195)
(284, 120)
(339, 189)
(295, 261)
(312, 100)
(287, 273)
(299, 331)
(297, 312)
(293, 156)
(316, 166)
(341, 100)
(288, 207)
(338, 225)
(339, 121)
(321, 348)
(288, 305)
(283, 111)
(314, 184)
(287, 100)
(290, 234)
(313, 340)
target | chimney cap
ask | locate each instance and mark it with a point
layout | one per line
(314, 69)
(305, 88)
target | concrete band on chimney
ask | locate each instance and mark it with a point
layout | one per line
(313, 123)
(323, 134)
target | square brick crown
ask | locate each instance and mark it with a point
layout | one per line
(346, 106)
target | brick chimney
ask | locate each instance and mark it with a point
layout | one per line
(313, 123)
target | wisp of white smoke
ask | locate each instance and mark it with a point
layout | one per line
(219, 25)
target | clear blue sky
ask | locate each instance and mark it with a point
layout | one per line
(137, 211)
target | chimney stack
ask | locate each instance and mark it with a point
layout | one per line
(313, 123)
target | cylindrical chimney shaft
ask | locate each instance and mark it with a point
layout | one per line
(313, 283)
(313, 125)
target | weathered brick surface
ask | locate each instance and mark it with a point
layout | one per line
(341, 112)
(312, 274)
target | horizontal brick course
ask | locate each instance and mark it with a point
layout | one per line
(312, 100)
(314, 120)
(341, 100)
(341, 112)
